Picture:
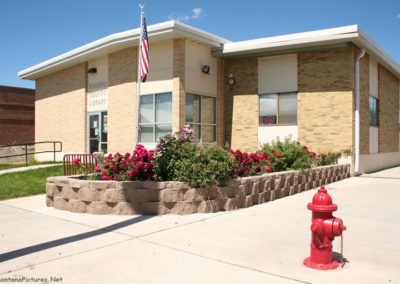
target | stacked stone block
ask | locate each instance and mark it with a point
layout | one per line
(157, 198)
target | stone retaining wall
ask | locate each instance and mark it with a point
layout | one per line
(15, 150)
(156, 198)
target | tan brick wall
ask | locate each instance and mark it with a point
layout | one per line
(364, 104)
(388, 88)
(241, 104)
(325, 99)
(178, 95)
(122, 72)
(61, 108)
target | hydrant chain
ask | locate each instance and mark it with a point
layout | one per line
(341, 250)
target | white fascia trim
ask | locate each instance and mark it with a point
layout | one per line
(117, 41)
(79, 52)
(286, 40)
(198, 34)
(351, 33)
(372, 48)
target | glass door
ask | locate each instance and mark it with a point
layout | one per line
(98, 129)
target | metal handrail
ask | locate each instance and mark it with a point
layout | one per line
(26, 154)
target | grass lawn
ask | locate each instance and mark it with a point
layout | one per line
(26, 183)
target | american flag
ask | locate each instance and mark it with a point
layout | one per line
(144, 53)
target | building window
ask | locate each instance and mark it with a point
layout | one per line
(201, 115)
(155, 117)
(373, 111)
(279, 109)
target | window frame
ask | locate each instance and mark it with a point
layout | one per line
(200, 124)
(277, 102)
(154, 123)
(373, 121)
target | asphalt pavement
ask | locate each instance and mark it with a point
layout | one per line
(265, 243)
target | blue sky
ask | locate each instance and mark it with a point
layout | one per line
(33, 31)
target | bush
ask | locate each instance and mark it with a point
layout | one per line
(176, 158)
(170, 149)
(328, 158)
(137, 166)
(201, 166)
(291, 155)
(250, 164)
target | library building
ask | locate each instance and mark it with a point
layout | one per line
(332, 89)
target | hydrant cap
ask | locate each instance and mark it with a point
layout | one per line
(322, 202)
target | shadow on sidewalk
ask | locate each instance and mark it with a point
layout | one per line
(51, 244)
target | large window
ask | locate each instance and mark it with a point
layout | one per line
(373, 111)
(278, 109)
(155, 117)
(201, 115)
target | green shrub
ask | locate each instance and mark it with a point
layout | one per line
(177, 158)
(325, 159)
(288, 155)
(168, 149)
(200, 166)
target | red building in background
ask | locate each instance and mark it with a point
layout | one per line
(17, 115)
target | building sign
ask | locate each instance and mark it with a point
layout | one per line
(97, 99)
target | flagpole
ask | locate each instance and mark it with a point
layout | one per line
(139, 70)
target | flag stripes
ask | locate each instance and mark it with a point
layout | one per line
(144, 53)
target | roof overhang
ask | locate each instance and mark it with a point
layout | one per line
(119, 41)
(315, 40)
(322, 39)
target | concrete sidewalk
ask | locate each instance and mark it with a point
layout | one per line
(27, 168)
(262, 244)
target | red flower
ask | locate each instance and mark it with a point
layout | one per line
(105, 176)
(268, 169)
(279, 155)
(76, 161)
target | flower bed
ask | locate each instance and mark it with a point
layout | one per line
(156, 198)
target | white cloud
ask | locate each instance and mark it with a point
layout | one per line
(197, 13)
(398, 17)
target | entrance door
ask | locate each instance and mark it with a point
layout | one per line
(98, 132)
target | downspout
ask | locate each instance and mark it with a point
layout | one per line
(357, 114)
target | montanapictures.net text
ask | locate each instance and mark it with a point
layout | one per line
(24, 279)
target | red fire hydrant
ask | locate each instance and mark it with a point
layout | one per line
(324, 229)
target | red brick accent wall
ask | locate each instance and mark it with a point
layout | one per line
(17, 115)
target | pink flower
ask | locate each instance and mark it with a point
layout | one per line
(279, 155)
(268, 169)
(76, 161)
(98, 168)
(105, 176)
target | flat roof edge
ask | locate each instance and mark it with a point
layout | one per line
(128, 37)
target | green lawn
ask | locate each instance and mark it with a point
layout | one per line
(26, 183)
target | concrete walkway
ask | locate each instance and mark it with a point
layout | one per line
(22, 169)
(262, 244)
